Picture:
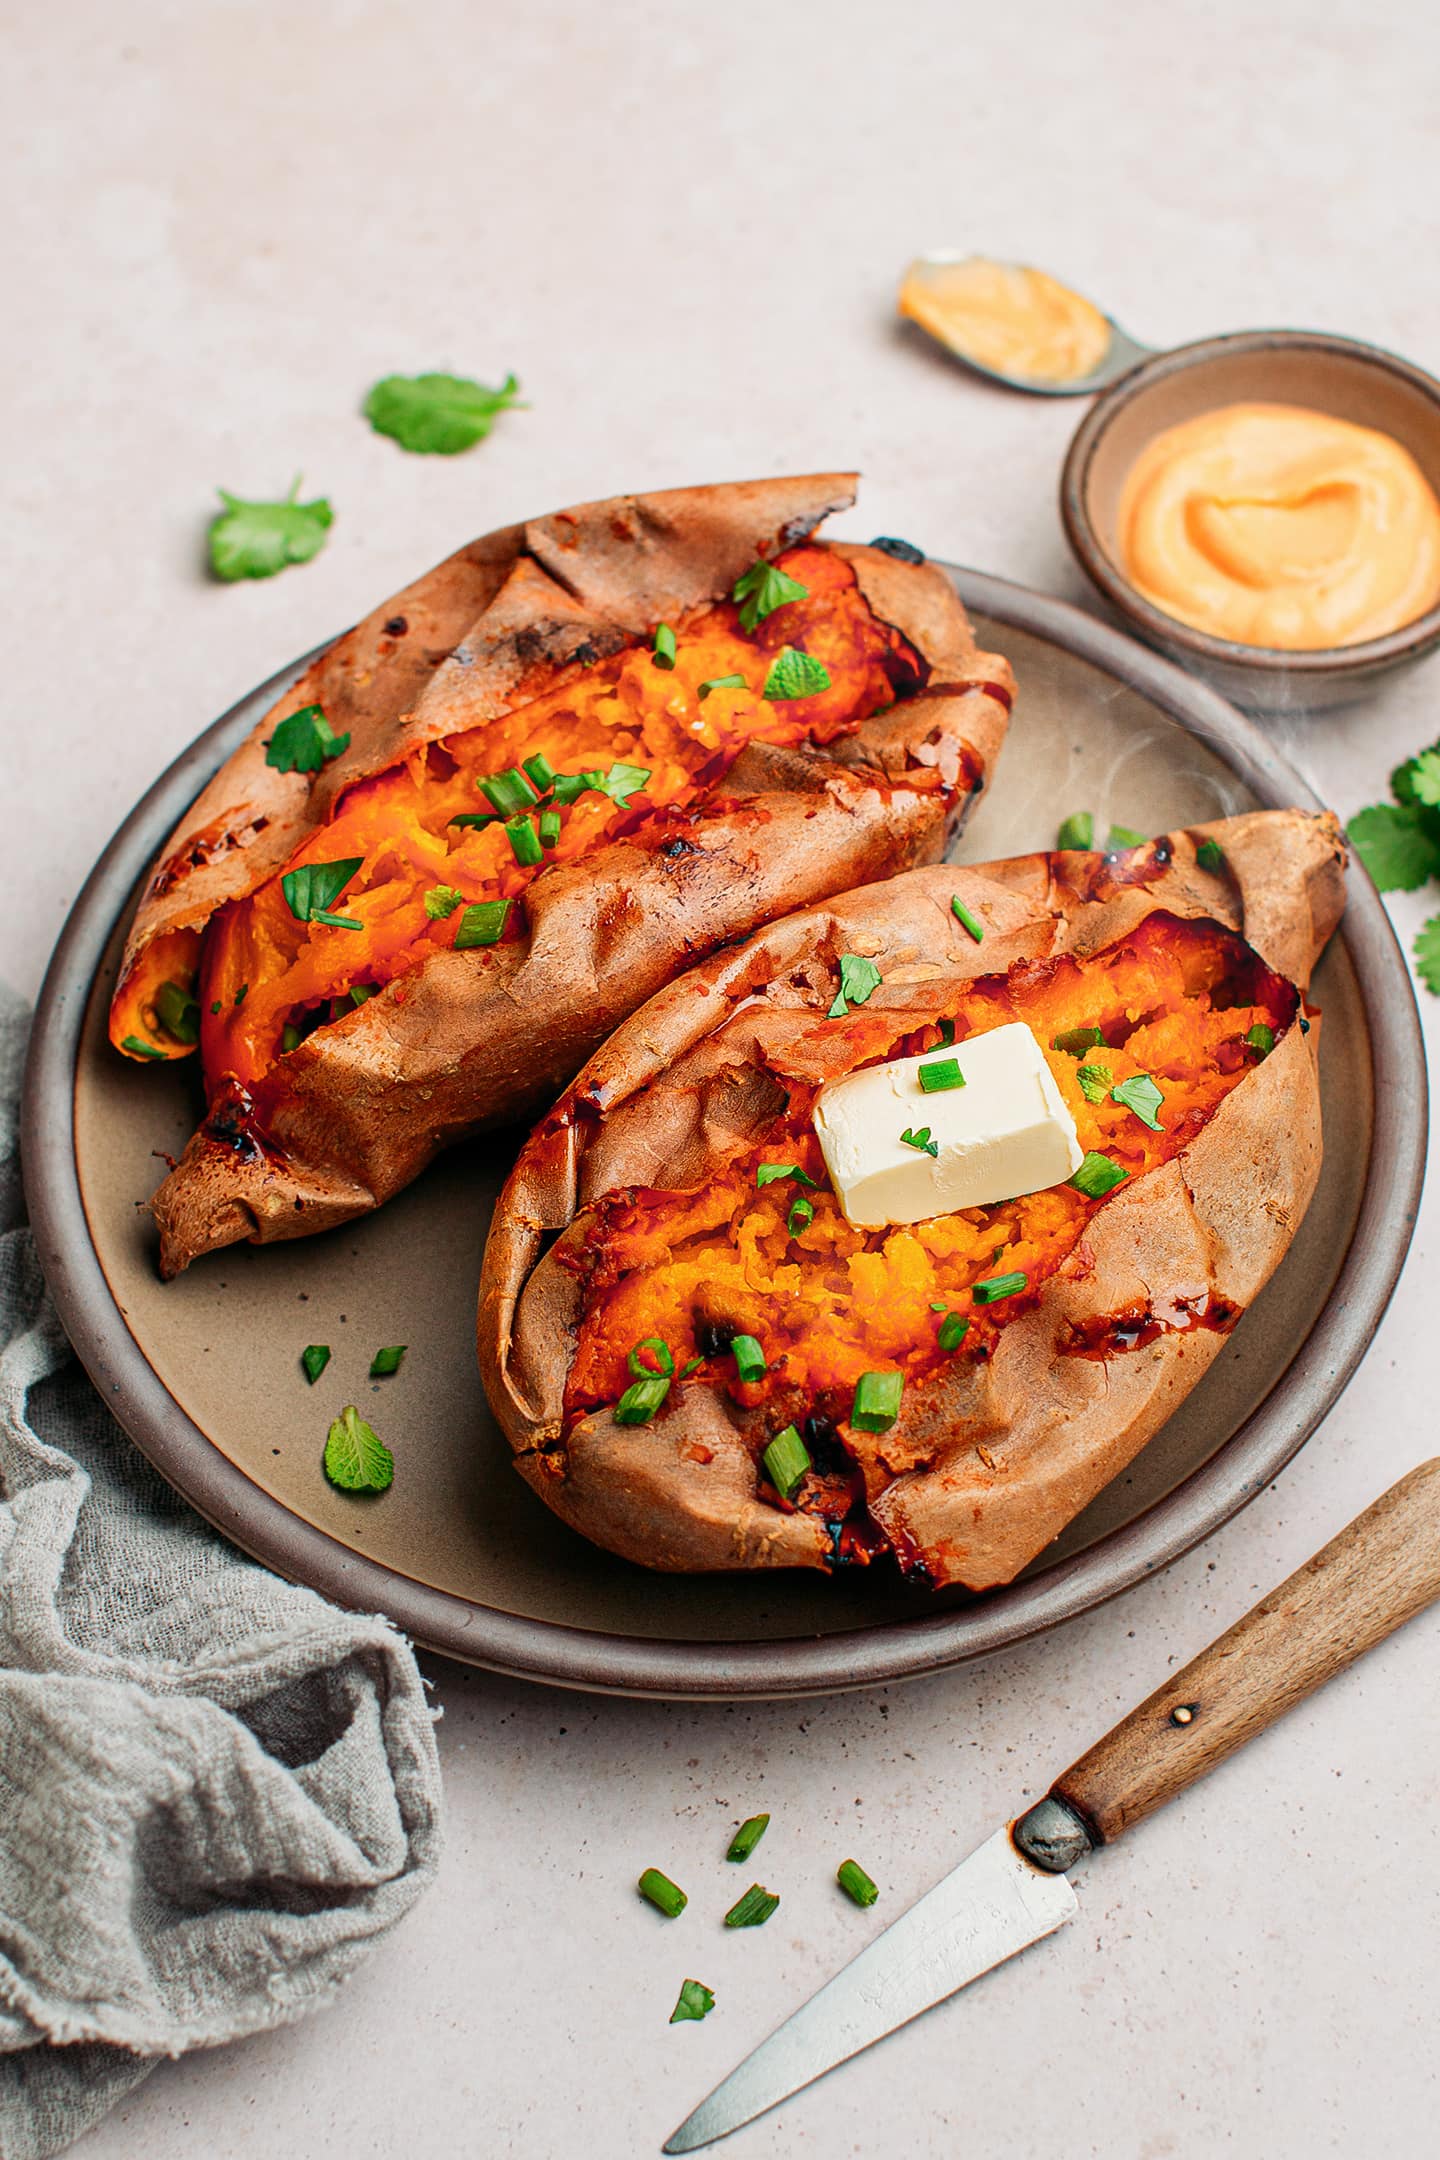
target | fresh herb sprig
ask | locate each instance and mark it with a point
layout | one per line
(257, 539)
(437, 414)
(1399, 844)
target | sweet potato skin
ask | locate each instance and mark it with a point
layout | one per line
(1008, 1450)
(484, 1037)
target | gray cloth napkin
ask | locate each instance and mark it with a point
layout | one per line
(216, 1790)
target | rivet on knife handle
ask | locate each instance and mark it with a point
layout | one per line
(1378, 1573)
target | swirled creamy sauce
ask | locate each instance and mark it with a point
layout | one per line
(1278, 526)
(1017, 321)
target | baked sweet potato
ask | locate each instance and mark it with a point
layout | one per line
(523, 794)
(675, 1200)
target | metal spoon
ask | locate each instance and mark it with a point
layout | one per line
(1123, 352)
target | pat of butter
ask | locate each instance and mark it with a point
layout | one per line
(1005, 1132)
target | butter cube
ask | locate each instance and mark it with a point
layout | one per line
(1005, 1132)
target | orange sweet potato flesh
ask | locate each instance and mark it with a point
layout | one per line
(635, 1213)
(536, 641)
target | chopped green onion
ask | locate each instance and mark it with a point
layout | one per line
(242, 993)
(719, 682)
(1261, 1038)
(749, 1358)
(441, 902)
(289, 1038)
(361, 993)
(999, 1286)
(1097, 1175)
(179, 1012)
(664, 646)
(752, 1910)
(1140, 1094)
(314, 888)
(336, 922)
(1078, 831)
(859, 979)
(509, 792)
(524, 841)
(761, 590)
(940, 1075)
(785, 1461)
(800, 1217)
(856, 1884)
(214, 1007)
(953, 1330)
(691, 1365)
(964, 917)
(477, 818)
(695, 2001)
(920, 1140)
(1076, 1041)
(539, 771)
(794, 674)
(549, 828)
(667, 1897)
(1210, 855)
(482, 924)
(747, 1837)
(877, 1401)
(1094, 1082)
(1120, 836)
(664, 1363)
(315, 1357)
(386, 1362)
(641, 1400)
(767, 1173)
(938, 1305)
(947, 1031)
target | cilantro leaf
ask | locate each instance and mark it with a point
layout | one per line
(1425, 778)
(1402, 780)
(1095, 1082)
(1397, 845)
(355, 1459)
(1140, 1094)
(437, 414)
(859, 979)
(304, 741)
(441, 902)
(1427, 954)
(1076, 831)
(255, 539)
(761, 590)
(793, 674)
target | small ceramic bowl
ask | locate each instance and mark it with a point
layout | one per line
(1334, 375)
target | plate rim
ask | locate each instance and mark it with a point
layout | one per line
(596, 1661)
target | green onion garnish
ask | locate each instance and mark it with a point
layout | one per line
(1097, 1175)
(477, 818)
(953, 1330)
(241, 993)
(179, 1012)
(1078, 831)
(877, 1401)
(312, 890)
(859, 979)
(509, 792)
(938, 1305)
(749, 1358)
(386, 1362)
(1261, 1038)
(691, 1365)
(361, 993)
(641, 1400)
(1094, 1082)
(667, 1897)
(752, 1910)
(695, 2001)
(940, 1074)
(214, 1007)
(482, 924)
(767, 1173)
(664, 646)
(747, 1837)
(785, 1461)
(800, 1217)
(549, 828)
(947, 1031)
(524, 841)
(138, 1047)
(1140, 1094)
(539, 770)
(920, 1140)
(968, 921)
(289, 1038)
(1210, 855)
(719, 682)
(999, 1286)
(1076, 1041)
(315, 1357)
(856, 1884)
(1120, 836)
(664, 1363)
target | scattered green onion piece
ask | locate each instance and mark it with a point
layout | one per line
(1097, 1175)
(920, 1140)
(361, 993)
(877, 1401)
(477, 818)
(1120, 836)
(214, 1007)
(524, 841)
(315, 1357)
(1140, 1094)
(179, 1013)
(749, 1358)
(137, 1047)
(664, 655)
(1094, 1082)
(695, 2001)
(947, 1031)
(767, 1173)
(549, 828)
(856, 1884)
(752, 1910)
(940, 1075)
(785, 1461)
(539, 771)
(1261, 1038)
(747, 1837)
(242, 993)
(691, 1365)
(1078, 831)
(800, 1217)
(641, 1400)
(664, 1366)
(859, 979)
(482, 924)
(336, 922)
(1210, 855)
(720, 682)
(509, 792)
(667, 1897)
(386, 1362)
(289, 1038)
(1076, 1041)
(315, 887)
(999, 1286)
(953, 1330)
(938, 1305)
(968, 921)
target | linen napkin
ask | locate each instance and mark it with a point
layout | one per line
(217, 1791)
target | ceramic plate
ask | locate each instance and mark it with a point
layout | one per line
(204, 1373)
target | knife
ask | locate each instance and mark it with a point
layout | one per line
(1380, 1571)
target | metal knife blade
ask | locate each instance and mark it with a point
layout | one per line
(981, 1913)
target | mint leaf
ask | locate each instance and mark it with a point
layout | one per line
(1425, 778)
(304, 741)
(1427, 954)
(1396, 843)
(355, 1459)
(763, 589)
(255, 539)
(793, 674)
(441, 902)
(437, 414)
(859, 979)
(1140, 1094)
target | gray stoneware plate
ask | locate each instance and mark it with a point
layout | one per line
(204, 1373)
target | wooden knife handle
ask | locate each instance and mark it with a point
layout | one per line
(1377, 1574)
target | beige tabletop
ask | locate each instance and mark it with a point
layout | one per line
(682, 229)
